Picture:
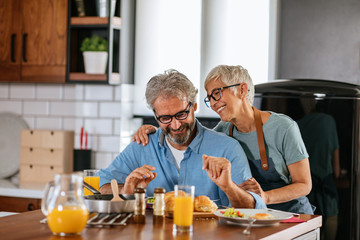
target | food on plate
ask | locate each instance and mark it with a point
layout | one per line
(204, 204)
(150, 200)
(170, 200)
(262, 216)
(231, 212)
(201, 203)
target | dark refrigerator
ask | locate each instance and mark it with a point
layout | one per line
(298, 98)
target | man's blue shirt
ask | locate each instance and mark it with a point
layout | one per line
(157, 154)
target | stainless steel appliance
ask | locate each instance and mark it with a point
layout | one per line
(342, 102)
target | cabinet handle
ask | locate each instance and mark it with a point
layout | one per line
(13, 37)
(30, 207)
(24, 47)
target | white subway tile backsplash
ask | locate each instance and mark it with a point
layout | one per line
(48, 123)
(11, 106)
(36, 108)
(4, 90)
(63, 108)
(98, 126)
(110, 109)
(102, 160)
(108, 143)
(95, 92)
(117, 127)
(44, 91)
(73, 124)
(78, 109)
(30, 121)
(23, 91)
(74, 92)
(100, 109)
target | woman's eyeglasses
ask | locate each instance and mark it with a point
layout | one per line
(165, 119)
(216, 94)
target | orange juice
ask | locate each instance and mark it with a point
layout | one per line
(67, 219)
(94, 181)
(183, 211)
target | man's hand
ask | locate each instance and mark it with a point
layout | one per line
(218, 170)
(140, 177)
(253, 186)
(141, 135)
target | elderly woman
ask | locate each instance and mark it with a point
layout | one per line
(272, 142)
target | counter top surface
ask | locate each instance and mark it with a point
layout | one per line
(204, 228)
(10, 189)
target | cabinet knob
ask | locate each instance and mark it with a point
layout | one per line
(30, 207)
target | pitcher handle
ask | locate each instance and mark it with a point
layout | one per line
(45, 199)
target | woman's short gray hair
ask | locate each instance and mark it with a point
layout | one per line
(170, 84)
(232, 75)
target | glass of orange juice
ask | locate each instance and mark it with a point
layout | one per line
(92, 178)
(183, 208)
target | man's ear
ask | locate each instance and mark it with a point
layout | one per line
(243, 89)
(195, 107)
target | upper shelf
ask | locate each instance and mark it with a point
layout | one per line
(116, 21)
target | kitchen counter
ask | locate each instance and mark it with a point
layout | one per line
(9, 189)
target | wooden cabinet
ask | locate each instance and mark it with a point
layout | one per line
(17, 204)
(33, 40)
(121, 46)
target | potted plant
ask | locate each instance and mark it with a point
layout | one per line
(95, 54)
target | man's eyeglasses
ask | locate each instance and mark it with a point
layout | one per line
(165, 119)
(216, 94)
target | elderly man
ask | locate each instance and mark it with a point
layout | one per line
(182, 151)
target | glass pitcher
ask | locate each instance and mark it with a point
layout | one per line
(64, 206)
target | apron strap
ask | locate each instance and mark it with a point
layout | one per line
(260, 137)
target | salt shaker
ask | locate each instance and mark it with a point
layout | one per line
(140, 205)
(159, 205)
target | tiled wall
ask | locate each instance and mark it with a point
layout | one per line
(104, 111)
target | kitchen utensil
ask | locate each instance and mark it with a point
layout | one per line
(247, 229)
(90, 188)
(115, 191)
(101, 203)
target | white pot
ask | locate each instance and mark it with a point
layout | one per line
(95, 62)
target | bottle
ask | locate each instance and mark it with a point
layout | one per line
(159, 205)
(140, 205)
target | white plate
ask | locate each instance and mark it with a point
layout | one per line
(10, 127)
(278, 216)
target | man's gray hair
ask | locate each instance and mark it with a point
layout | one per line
(232, 75)
(170, 84)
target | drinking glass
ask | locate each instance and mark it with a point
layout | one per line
(92, 178)
(183, 208)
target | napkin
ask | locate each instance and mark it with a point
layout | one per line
(293, 220)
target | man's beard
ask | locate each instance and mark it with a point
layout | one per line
(183, 138)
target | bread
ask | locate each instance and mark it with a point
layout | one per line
(201, 203)
(204, 204)
(169, 200)
(262, 216)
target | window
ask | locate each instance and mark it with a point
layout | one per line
(193, 36)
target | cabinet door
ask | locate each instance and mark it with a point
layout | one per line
(10, 40)
(44, 37)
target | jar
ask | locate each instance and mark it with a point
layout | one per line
(159, 205)
(140, 205)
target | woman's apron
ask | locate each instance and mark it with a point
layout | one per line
(266, 175)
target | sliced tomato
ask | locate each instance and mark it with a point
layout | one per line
(239, 214)
(222, 212)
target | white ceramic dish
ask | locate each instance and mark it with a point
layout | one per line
(278, 216)
(10, 127)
